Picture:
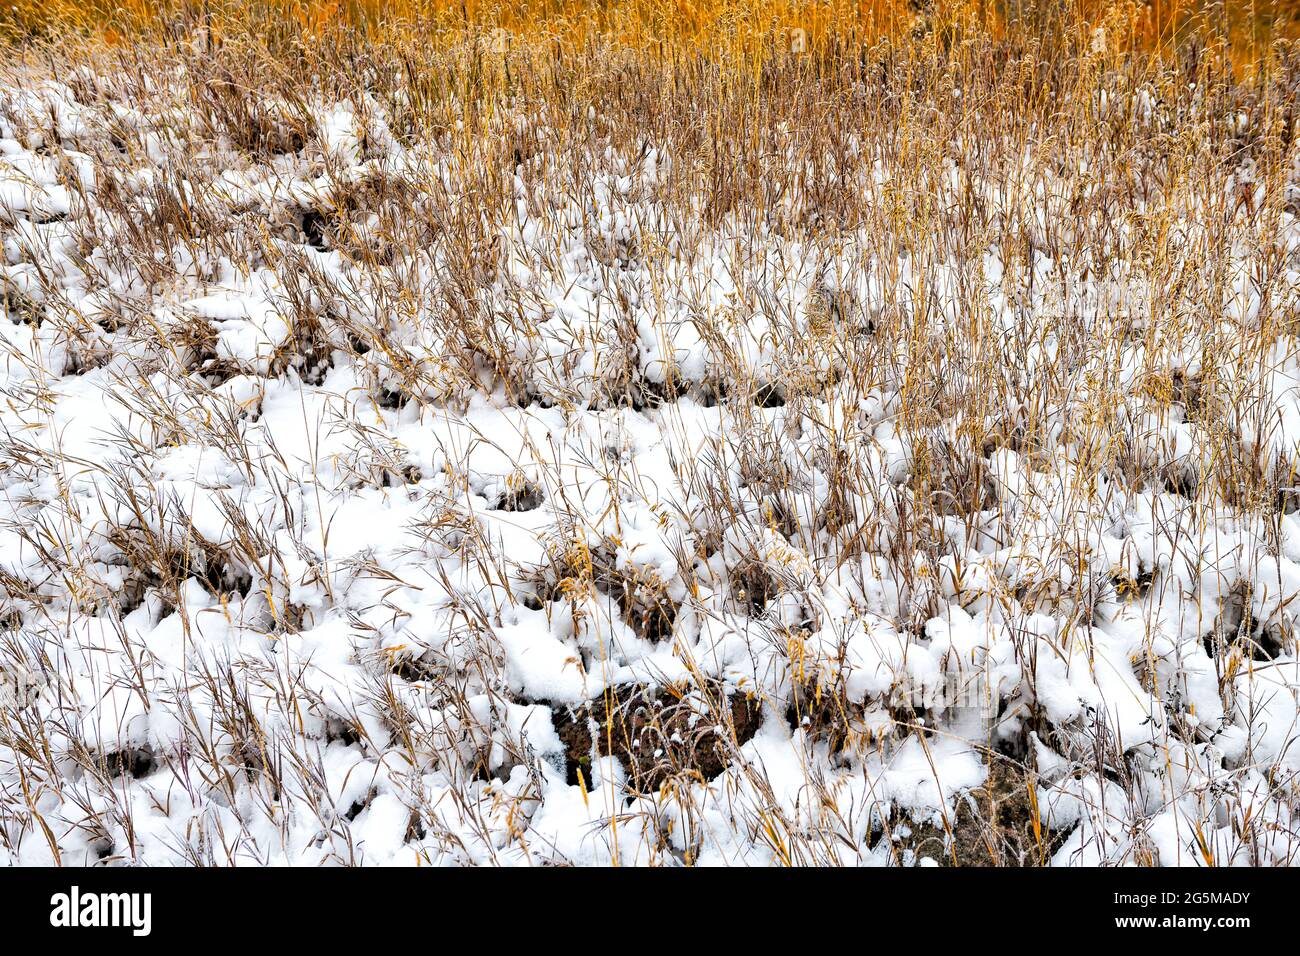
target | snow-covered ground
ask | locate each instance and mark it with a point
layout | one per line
(350, 514)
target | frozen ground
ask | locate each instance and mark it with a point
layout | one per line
(381, 493)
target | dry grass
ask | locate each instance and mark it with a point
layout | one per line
(942, 316)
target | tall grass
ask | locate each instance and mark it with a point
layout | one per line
(1131, 168)
(739, 27)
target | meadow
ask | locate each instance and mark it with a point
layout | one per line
(577, 433)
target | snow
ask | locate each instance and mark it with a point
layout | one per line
(343, 597)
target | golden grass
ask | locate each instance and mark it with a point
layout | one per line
(741, 29)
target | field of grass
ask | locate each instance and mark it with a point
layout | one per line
(553, 433)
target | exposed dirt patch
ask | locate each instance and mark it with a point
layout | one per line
(1237, 630)
(642, 596)
(643, 599)
(996, 824)
(823, 713)
(520, 496)
(753, 585)
(134, 762)
(658, 732)
(158, 567)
